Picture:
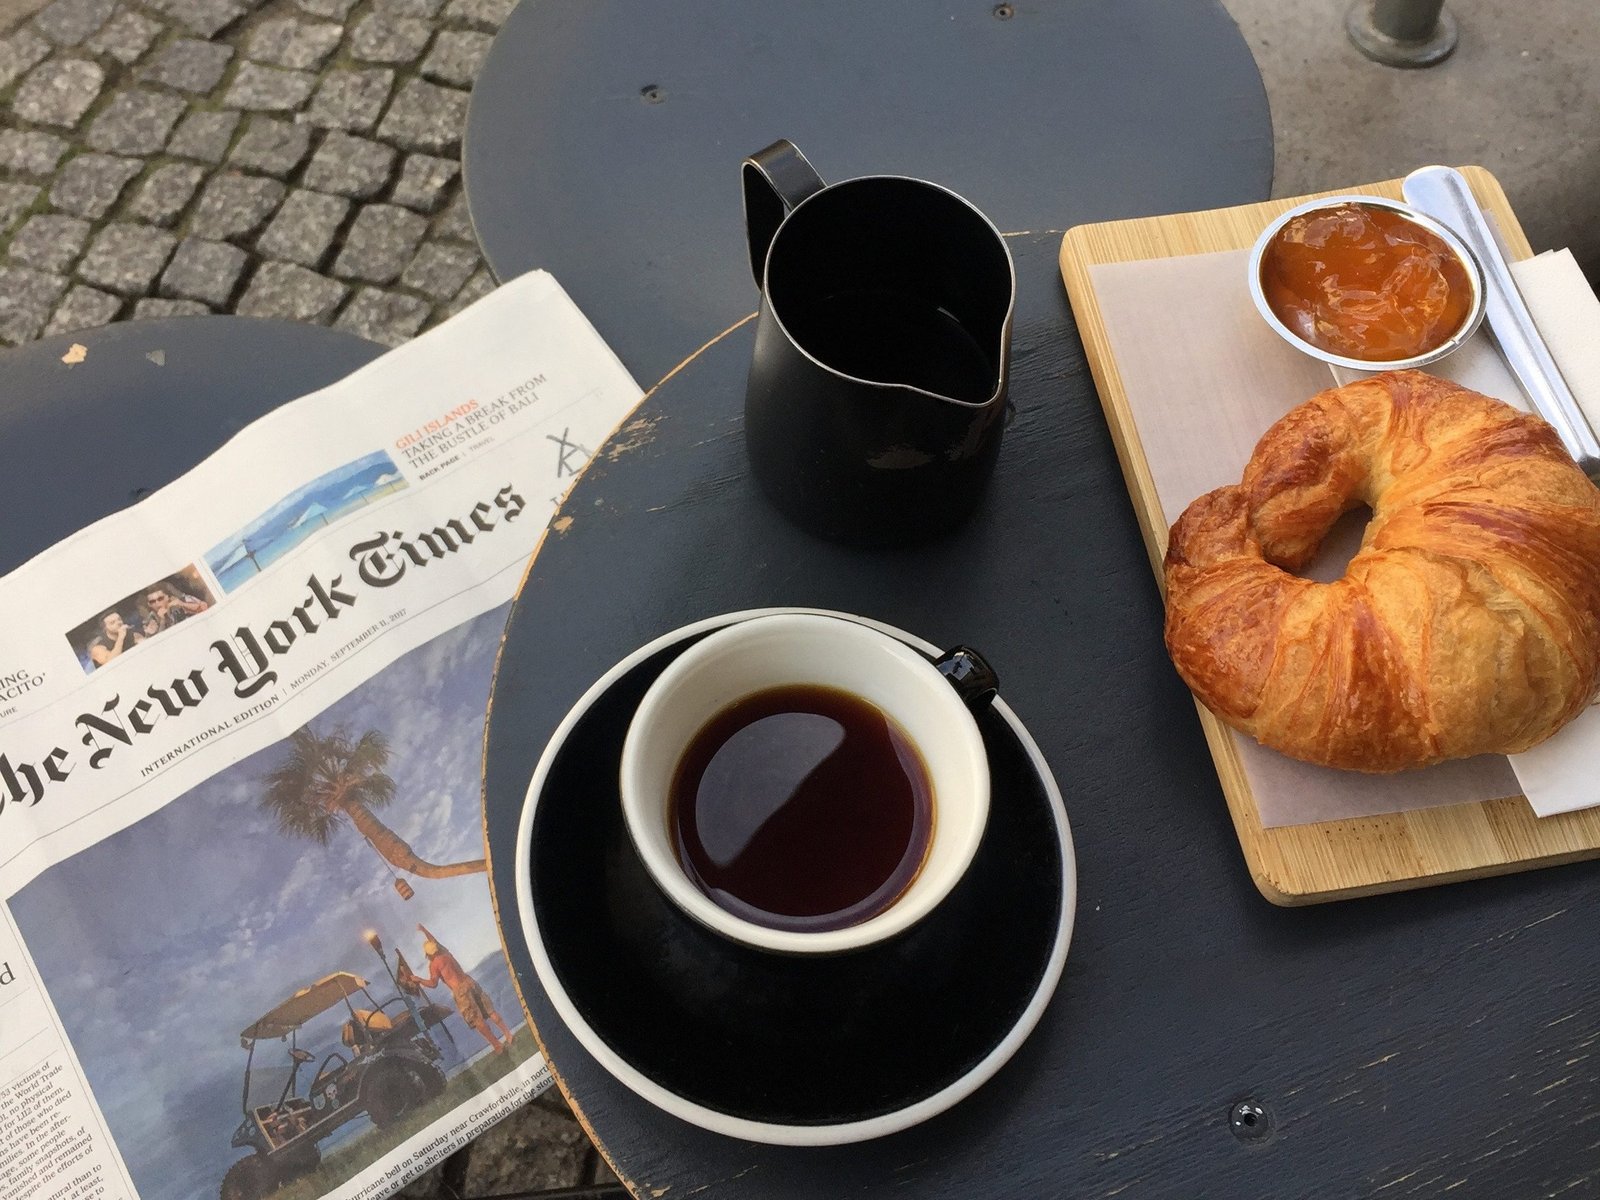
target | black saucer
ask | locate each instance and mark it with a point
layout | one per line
(795, 1050)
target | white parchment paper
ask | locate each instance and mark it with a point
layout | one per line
(1205, 377)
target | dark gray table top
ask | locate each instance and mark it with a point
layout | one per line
(604, 138)
(149, 400)
(603, 144)
(1434, 1043)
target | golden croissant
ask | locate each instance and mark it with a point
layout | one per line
(1468, 622)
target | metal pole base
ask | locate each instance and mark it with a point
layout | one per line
(1381, 47)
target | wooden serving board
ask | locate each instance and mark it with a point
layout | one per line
(1329, 860)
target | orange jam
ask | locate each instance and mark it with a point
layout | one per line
(1365, 282)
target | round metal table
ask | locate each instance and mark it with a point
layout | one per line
(149, 400)
(1202, 1041)
(605, 136)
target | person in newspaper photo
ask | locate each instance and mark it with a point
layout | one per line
(116, 637)
(477, 1010)
(167, 606)
(139, 617)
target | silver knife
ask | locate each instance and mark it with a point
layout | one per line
(1443, 194)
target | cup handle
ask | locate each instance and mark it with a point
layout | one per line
(775, 180)
(970, 674)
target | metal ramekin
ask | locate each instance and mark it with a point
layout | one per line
(1474, 276)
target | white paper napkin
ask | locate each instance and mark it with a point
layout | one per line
(1568, 314)
(1561, 774)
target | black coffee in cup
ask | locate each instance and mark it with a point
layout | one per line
(803, 808)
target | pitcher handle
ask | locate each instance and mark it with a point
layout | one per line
(775, 180)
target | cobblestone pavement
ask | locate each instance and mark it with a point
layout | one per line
(538, 1148)
(285, 158)
(280, 158)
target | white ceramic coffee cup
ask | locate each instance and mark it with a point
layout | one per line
(930, 704)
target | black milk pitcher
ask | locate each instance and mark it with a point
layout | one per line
(877, 389)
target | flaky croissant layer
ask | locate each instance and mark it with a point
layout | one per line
(1469, 621)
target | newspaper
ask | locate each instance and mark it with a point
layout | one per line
(246, 938)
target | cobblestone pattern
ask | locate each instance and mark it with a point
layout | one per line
(282, 158)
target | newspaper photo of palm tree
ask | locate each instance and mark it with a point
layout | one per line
(330, 781)
(293, 968)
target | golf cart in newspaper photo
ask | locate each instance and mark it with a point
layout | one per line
(387, 1068)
